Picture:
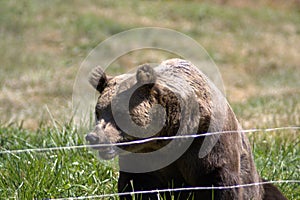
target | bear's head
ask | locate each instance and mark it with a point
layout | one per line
(152, 102)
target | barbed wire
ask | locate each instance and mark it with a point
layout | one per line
(145, 140)
(179, 190)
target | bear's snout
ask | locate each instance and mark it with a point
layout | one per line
(105, 152)
(102, 136)
(92, 138)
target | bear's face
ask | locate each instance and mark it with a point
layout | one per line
(132, 107)
(171, 99)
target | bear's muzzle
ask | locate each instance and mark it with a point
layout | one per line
(106, 152)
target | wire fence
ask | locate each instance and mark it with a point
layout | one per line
(180, 190)
(146, 140)
(158, 191)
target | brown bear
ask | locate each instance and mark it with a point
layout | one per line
(140, 110)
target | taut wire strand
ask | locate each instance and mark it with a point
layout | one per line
(15, 151)
(179, 189)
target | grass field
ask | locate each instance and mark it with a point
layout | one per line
(255, 45)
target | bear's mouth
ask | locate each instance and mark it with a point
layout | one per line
(107, 153)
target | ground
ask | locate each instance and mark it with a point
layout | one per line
(43, 44)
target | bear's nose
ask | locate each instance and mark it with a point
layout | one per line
(92, 138)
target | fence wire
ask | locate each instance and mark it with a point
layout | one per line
(158, 191)
(178, 190)
(146, 140)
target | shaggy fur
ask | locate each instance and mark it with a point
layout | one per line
(189, 107)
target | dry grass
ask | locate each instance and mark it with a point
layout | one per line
(254, 46)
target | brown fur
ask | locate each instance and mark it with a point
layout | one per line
(230, 161)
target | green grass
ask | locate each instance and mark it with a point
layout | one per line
(277, 158)
(51, 174)
(78, 172)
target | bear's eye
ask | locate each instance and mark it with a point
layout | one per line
(103, 113)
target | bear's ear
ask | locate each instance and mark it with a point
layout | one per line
(98, 79)
(145, 75)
